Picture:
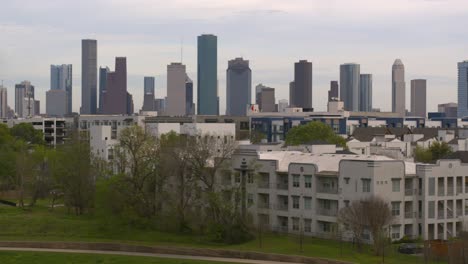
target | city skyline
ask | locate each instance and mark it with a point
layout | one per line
(271, 63)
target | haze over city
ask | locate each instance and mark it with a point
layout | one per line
(428, 36)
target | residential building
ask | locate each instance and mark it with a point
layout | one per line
(238, 87)
(103, 71)
(265, 98)
(61, 77)
(56, 103)
(176, 104)
(3, 102)
(463, 88)
(398, 88)
(207, 75)
(148, 95)
(24, 99)
(449, 109)
(55, 130)
(301, 90)
(365, 93)
(88, 76)
(115, 97)
(349, 85)
(333, 92)
(418, 98)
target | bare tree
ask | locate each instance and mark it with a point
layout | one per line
(353, 217)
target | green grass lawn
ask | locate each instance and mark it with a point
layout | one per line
(39, 224)
(16, 257)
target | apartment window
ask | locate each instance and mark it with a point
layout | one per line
(307, 203)
(237, 177)
(431, 210)
(295, 224)
(296, 180)
(366, 185)
(308, 181)
(395, 232)
(250, 199)
(396, 185)
(395, 208)
(295, 200)
(250, 177)
(431, 186)
(307, 225)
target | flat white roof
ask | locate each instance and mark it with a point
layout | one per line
(324, 162)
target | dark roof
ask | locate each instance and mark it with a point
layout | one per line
(345, 151)
(366, 134)
(460, 155)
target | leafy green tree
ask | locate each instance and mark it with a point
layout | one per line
(27, 133)
(436, 151)
(312, 131)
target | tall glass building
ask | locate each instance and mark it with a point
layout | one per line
(207, 78)
(463, 88)
(365, 93)
(349, 85)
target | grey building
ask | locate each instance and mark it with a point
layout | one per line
(418, 97)
(238, 87)
(463, 88)
(88, 76)
(449, 109)
(349, 85)
(176, 90)
(333, 92)
(207, 73)
(148, 95)
(159, 105)
(61, 79)
(302, 88)
(265, 98)
(291, 94)
(189, 105)
(103, 71)
(365, 93)
(56, 103)
(24, 99)
(398, 88)
(3, 102)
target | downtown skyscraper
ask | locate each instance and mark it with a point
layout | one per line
(207, 75)
(176, 103)
(365, 93)
(300, 91)
(61, 79)
(238, 87)
(88, 76)
(463, 88)
(3, 102)
(103, 71)
(398, 88)
(350, 74)
(148, 94)
(418, 97)
(116, 99)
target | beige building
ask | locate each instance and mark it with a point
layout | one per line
(418, 98)
(398, 88)
(176, 91)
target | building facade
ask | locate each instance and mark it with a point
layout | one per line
(103, 71)
(61, 77)
(88, 76)
(207, 75)
(301, 90)
(189, 105)
(3, 102)
(56, 103)
(176, 90)
(148, 94)
(24, 99)
(334, 90)
(265, 98)
(365, 93)
(418, 97)
(449, 109)
(238, 87)
(463, 88)
(349, 85)
(398, 88)
(115, 97)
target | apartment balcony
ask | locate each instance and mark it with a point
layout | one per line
(327, 212)
(440, 214)
(409, 192)
(327, 190)
(410, 215)
(263, 185)
(450, 191)
(282, 207)
(459, 190)
(459, 213)
(263, 206)
(449, 214)
(282, 186)
(441, 191)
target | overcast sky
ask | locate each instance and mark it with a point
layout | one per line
(429, 36)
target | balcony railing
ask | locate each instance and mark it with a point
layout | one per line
(408, 192)
(282, 207)
(459, 212)
(440, 214)
(327, 212)
(409, 215)
(263, 185)
(263, 206)
(441, 191)
(327, 190)
(282, 186)
(449, 191)
(449, 213)
(459, 190)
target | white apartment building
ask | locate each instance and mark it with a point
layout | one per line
(294, 191)
(55, 130)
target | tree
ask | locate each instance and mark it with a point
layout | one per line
(312, 131)
(74, 174)
(27, 133)
(436, 151)
(353, 217)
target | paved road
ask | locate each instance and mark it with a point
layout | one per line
(230, 260)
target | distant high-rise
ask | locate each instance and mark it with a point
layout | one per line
(129, 107)
(115, 99)
(159, 105)
(3, 102)
(148, 95)
(265, 98)
(238, 87)
(88, 76)
(56, 102)
(291, 95)
(463, 88)
(349, 85)
(450, 109)
(365, 93)
(103, 71)
(302, 89)
(189, 105)
(398, 88)
(418, 97)
(176, 90)
(207, 73)
(282, 105)
(61, 79)
(333, 92)
(24, 99)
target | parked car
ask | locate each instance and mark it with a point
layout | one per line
(410, 248)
